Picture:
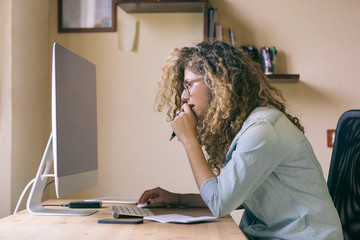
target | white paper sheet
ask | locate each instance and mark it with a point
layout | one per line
(176, 218)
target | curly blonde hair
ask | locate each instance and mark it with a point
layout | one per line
(237, 84)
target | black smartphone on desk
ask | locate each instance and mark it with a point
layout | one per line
(120, 221)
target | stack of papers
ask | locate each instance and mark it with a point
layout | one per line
(176, 218)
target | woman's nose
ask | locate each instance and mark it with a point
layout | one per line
(184, 96)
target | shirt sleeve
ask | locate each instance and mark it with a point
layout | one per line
(207, 188)
(253, 160)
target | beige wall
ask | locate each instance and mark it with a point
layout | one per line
(5, 106)
(25, 94)
(30, 90)
(317, 39)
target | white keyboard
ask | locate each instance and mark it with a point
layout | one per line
(133, 211)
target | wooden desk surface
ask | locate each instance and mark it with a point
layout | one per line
(27, 226)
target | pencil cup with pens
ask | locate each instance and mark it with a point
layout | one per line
(268, 57)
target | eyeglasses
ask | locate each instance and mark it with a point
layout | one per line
(189, 83)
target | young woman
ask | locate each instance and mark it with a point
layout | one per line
(230, 119)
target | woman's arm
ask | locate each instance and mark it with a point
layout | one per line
(198, 163)
(185, 127)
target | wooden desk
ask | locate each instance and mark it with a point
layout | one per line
(26, 226)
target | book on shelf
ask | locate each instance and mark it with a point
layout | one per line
(232, 37)
(215, 27)
(211, 23)
(218, 31)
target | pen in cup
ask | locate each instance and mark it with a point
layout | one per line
(173, 133)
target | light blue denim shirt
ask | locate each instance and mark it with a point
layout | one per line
(272, 172)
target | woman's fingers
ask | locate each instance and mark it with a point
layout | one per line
(155, 196)
(184, 123)
(147, 195)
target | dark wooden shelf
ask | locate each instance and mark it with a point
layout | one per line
(284, 78)
(166, 6)
(158, 6)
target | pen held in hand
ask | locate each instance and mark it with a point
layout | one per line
(173, 133)
(172, 136)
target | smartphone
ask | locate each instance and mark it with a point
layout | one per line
(121, 221)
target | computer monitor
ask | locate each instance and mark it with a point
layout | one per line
(72, 145)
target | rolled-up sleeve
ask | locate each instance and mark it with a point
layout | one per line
(207, 188)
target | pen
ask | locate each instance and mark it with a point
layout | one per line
(173, 133)
(172, 136)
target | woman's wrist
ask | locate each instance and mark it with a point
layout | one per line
(177, 201)
(191, 142)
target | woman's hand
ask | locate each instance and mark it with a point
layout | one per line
(184, 124)
(158, 196)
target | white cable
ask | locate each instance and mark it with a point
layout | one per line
(22, 195)
(25, 190)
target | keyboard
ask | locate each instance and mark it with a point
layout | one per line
(119, 211)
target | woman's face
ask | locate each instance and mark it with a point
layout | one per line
(196, 93)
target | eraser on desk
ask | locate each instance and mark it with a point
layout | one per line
(85, 204)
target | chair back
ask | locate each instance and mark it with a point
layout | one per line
(344, 174)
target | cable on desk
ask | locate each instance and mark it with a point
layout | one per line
(48, 184)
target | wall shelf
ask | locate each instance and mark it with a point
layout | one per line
(284, 78)
(158, 6)
(166, 6)
(171, 6)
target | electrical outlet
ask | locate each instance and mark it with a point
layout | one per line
(330, 137)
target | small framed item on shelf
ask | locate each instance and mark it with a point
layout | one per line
(86, 16)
